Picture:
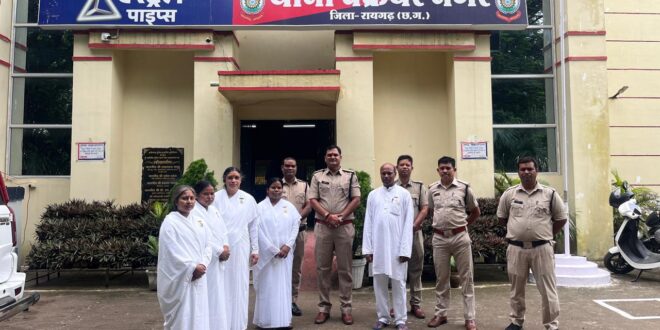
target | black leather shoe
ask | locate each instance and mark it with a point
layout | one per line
(513, 327)
(295, 310)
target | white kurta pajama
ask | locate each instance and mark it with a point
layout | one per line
(387, 235)
(278, 225)
(242, 221)
(184, 243)
(215, 272)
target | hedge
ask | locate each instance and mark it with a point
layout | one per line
(80, 234)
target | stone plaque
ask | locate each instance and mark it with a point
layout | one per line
(161, 167)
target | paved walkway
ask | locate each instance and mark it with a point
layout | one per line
(81, 302)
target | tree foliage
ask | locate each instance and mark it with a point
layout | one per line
(523, 101)
(197, 171)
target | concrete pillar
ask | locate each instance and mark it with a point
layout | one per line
(96, 117)
(215, 138)
(355, 107)
(471, 113)
(587, 125)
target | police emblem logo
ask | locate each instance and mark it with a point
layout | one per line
(98, 10)
(252, 7)
(508, 10)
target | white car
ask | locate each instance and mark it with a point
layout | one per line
(12, 282)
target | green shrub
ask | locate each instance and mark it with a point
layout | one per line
(197, 171)
(80, 234)
(365, 188)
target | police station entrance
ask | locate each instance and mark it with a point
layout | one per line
(264, 143)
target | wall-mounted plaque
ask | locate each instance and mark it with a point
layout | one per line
(474, 150)
(161, 167)
(91, 151)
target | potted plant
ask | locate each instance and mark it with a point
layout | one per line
(152, 245)
(158, 211)
(359, 261)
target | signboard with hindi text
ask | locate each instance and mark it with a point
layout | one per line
(161, 168)
(474, 150)
(331, 14)
(91, 151)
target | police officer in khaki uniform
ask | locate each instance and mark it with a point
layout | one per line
(418, 192)
(295, 191)
(334, 194)
(454, 208)
(533, 214)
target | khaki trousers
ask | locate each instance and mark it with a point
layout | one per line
(459, 246)
(339, 241)
(541, 260)
(298, 257)
(415, 268)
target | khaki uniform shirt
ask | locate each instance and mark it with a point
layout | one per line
(449, 205)
(331, 190)
(296, 194)
(418, 192)
(530, 215)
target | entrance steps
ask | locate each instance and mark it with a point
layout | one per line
(576, 271)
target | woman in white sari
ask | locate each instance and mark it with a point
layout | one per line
(184, 253)
(239, 210)
(215, 272)
(278, 228)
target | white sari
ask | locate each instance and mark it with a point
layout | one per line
(278, 225)
(242, 221)
(215, 273)
(183, 244)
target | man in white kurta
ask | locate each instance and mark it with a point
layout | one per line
(278, 226)
(215, 272)
(183, 244)
(387, 242)
(241, 218)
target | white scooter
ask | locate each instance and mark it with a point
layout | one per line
(631, 252)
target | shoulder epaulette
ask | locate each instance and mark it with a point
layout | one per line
(434, 184)
(463, 182)
(348, 171)
(319, 171)
(512, 187)
(417, 182)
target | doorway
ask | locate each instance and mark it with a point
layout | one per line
(264, 143)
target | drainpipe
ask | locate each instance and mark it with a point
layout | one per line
(562, 61)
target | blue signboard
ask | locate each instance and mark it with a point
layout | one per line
(232, 14)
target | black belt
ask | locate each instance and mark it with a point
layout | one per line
(302, 228)
(527, 245)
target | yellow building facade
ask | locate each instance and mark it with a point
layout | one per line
(380, 94)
